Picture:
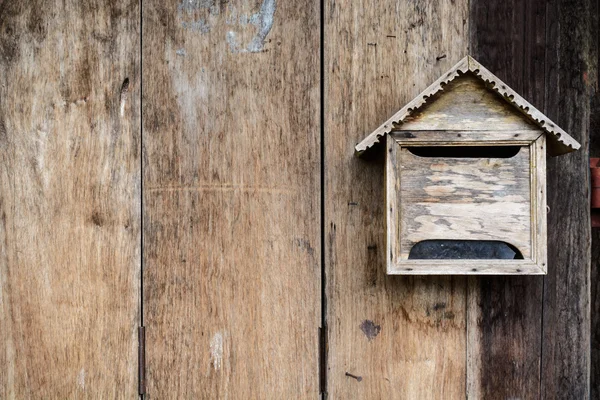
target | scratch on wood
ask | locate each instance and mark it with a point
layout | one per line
(216, 350)
(224, 187)
(81, 379)
(124, 95)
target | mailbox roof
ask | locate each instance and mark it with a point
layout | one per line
(559, 141)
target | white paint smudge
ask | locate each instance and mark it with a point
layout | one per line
(232, 41)
(190, 5)
(200, 26)
(262, 20)
(264, 23)
(81, 379)
(181, 52)
(216, 350)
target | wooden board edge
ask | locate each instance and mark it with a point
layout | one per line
(539, 204)
(466, 138)
(392, 186)
(466, 267)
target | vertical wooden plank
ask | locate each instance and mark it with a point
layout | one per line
(558, 365)
(389, 337)
(595, 314)
(594, 132)
(505, 313)
(571, 78)
(231, 199)
(69, 199)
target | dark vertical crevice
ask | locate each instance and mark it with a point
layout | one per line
(594, 151)
(142, 346)
(141, 169)
(323, 337)
(544, 109)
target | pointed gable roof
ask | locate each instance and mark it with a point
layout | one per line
(559, 141)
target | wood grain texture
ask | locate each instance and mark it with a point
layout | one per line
(403, 336)
(469, 70)
(464, 137)
(465, 199)
(527, 337)
(419, 101)
(231, 199)
(539, 193)
(465, 103)
(504, 313)
(594, 132)
(69, 199)
(572, 76)
(595, 310)
(449, 198)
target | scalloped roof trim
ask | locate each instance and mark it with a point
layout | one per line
(560, 142)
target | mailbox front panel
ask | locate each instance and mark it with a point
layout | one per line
(465, 195)
(471, 199)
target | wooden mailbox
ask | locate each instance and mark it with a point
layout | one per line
(466, 178)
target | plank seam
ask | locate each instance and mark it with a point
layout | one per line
(545, 108)
(142, 329)
(323, 332)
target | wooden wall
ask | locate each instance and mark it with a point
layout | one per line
(218, 137)
(231, 199)
(69, 198)
(534, 332)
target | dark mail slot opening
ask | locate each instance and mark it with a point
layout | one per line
(464, 250)
(466, 151)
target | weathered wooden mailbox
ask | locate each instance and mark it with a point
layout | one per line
(466, 178)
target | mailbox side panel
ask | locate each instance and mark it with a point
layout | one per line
(392, 188)
(539, 206)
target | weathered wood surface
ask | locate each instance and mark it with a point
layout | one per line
(463, 137)
(468, 71)
(467, 103)
(504, 313)
(403, 336)
(573, 65)
(511, 355)
(465, 198)
(470, 198)
(539, 194)
(595, 308)
(231, 199)
(595, 265)
(69, 199)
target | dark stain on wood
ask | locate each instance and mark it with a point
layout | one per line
(370, 329)
(97, 218)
